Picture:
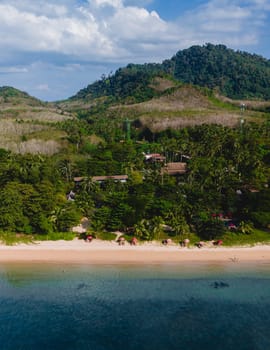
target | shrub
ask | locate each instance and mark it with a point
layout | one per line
(55, 236)
(245, 228)
(106, 236)
(11, 238)
(261, 219)
(210, 229)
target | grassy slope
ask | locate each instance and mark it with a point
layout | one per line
(27, 125)
(178, 106)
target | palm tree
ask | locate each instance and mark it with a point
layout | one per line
(66, 169)
(156, 226)
(177, 221)
(141, 230)
(88, 185)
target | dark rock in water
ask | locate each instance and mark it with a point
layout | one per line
(218, 285)
(81, 286)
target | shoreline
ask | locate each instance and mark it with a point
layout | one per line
(102, 252)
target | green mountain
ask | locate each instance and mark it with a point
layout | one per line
(201, 85)
(235, 74)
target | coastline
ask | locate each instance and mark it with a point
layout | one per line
(102, 252)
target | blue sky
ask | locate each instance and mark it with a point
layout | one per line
(51, 49)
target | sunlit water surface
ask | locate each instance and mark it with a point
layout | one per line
(135, 307)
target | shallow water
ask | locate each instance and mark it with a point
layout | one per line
(206, 306)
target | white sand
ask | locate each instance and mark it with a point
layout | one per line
(101, 252)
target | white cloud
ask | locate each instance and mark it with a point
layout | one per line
(14, 70)
(92, 32)
(38, 7)
(234, 23)
(261, 4)
(75, 35)
(122, 31)
(139, 24)
(43, 87)
(112, 3)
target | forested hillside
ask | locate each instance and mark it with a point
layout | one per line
(129, 84)
(235, 74)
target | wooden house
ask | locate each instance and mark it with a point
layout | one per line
(174, 168)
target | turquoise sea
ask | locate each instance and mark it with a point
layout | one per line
(149, 307)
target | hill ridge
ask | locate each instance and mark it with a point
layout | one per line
(235, 74)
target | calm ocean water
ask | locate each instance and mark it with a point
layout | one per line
(135, 307)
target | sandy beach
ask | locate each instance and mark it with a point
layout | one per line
(101, 252)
